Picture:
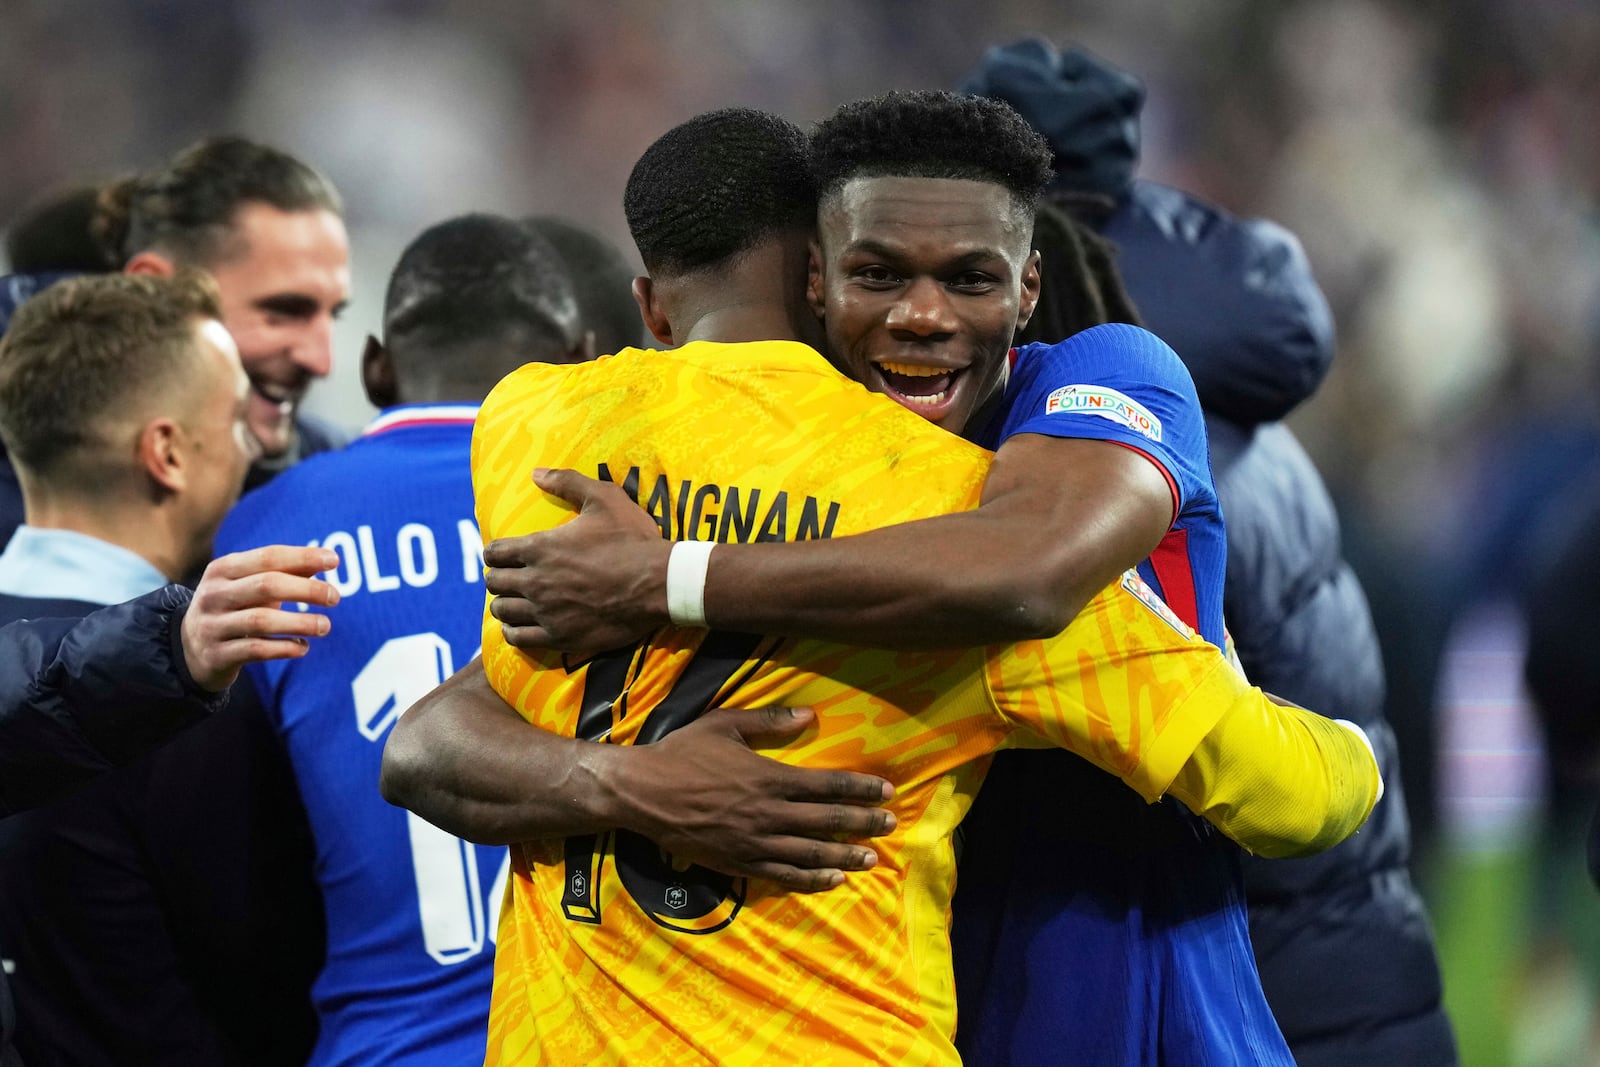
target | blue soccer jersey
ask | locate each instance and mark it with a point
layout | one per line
(1122, 384)
(412, 911)
(1117, 936)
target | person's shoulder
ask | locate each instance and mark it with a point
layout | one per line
(1113, 351)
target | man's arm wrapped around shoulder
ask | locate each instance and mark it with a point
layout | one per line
(1281, 780)
(80, 696)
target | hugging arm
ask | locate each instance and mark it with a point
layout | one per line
(1059, 519)
(466, 761)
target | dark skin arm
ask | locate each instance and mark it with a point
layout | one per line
(466, 761)
(1060, 518)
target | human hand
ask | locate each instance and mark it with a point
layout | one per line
(590, 585)
(236, 616)
(702, 794)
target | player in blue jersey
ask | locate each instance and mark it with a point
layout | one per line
(1121, 941)
(411, 910)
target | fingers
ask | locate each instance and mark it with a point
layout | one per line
(842, 787)
(258, 622)
(762, 727)
(773, 727)
(259, 649)
(291, 559)
(569, 485)
(834, 823)
(810, 866)
(508, 552)
(513, 610)
(269, 587)
(528, 638)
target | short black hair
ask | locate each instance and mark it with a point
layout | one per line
(931, 133)
(603, 278)
(716, 186)
(186, 208)
(478, 278)
(53, 234)
(1079, 283)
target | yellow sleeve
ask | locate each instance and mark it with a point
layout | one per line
(1280, 780)
(1123, 686)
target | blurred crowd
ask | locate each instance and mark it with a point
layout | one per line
(1439, 163)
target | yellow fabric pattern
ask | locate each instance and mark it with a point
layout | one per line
(1326, 791)
(607, 952)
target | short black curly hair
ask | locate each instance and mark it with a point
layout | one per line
(717, 185)
(474, 277)
(931, 133)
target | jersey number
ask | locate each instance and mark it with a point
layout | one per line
(694, 900)
(455, 918)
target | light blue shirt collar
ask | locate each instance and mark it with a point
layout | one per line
(66, 565)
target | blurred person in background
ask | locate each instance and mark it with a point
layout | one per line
(48, 242)
(54, 235)
(1562, 670)
(1342, 940)
(603, 279)
(154, 916)
(269, 228)
(411, 910)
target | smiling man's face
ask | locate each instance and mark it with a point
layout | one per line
(284, 281)
(922, 284)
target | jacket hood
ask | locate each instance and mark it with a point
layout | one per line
(1087, 109)
(1234, 297)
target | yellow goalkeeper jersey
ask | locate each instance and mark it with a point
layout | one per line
(608, 951)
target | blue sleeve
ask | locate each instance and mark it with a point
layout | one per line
(80, 696)
(1112, 383)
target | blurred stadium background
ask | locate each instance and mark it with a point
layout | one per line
(1440, 161)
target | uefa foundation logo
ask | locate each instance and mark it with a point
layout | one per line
(1106, 403)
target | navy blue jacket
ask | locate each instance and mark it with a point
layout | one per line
(81, 696)
(174, 892)
(1342, 939)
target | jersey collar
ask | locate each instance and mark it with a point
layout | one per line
(405, 416)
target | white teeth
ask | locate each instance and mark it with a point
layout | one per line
(914, 370)
(926, 401)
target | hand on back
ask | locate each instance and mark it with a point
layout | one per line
(586, 586)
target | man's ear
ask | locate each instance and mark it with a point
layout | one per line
(1030, 290)
(151, 263)
(650, 310)
(160, 452)
(377, 374)
(816, 294)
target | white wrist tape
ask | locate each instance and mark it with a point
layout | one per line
(686, 582)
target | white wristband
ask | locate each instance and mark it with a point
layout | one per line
(686, 582)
